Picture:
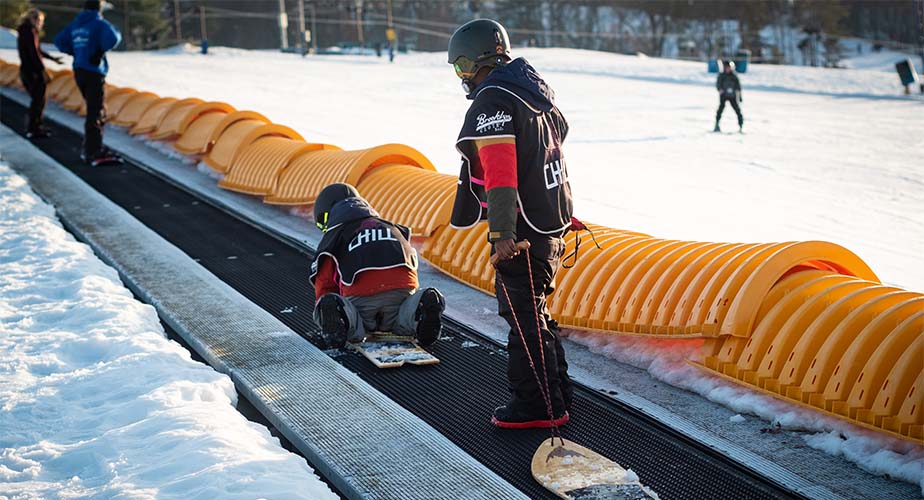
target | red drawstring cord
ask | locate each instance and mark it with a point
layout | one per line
(543, 388)
(577, 226)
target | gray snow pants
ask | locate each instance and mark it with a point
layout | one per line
(392, 312)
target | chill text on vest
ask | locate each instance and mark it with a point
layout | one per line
(555, 174)
(369, 236)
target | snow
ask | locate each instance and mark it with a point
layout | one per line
(96, 402)
(828, 154)
(737, 419)
(8, 39)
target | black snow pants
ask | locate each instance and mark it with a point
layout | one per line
(91, 85)
(544, 257)
(733, 100)
(34, 82)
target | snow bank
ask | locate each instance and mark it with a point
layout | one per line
(667, 360)
(95, 401)
(8, 38)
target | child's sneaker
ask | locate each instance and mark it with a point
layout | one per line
(333, 321)
(429, 316)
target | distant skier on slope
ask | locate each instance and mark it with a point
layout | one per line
(88, 38)
(514, 175)
(729, 91)
(365, 274)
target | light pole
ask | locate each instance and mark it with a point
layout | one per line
(283, 25)
(203, 31)
(359, 22)
(176, 19)
(301, 27)
(314, 30)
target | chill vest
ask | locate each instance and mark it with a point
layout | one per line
(365, 244)
(544, 195)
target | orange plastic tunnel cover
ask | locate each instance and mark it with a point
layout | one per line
(196, 128)
(228, 135)
(116, 99)
(311, 172)
(59, 83)
(257, 168)
(409, 195)
(182, 112)
(9, 74)
(152, 115)
(133, 108)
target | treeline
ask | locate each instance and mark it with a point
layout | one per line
(783, 31)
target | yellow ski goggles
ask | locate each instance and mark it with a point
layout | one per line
(322, 224)
(465, 67)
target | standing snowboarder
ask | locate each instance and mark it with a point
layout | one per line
(365, 274)
(88, 38)
(32, 69)
(514, 175)
(729, 91)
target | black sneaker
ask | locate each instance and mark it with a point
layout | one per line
(333, 321)
(510, 417)
(101, 158)
(429, 316)
(39, 133)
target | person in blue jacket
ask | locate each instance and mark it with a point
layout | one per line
(88, 38)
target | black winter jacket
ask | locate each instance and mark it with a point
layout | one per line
(358, 240)
(728, 85)
(514, 102)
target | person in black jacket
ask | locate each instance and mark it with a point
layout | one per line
(32, 68)
(729, 91)
(514, 175)
(365, 275)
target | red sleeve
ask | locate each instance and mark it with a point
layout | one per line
(326, 281)
(499, 161)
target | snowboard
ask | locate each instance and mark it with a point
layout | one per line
(391, 351)
(573, 472)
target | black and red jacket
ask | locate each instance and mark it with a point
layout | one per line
(513, 168)
(361, 254)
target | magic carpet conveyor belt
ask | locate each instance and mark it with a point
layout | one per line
(455, 397)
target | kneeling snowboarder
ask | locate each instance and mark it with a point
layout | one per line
(365, 274)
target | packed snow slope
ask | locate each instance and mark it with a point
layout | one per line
(827, 154)
(95, 402)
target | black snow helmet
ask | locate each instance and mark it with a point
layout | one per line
(476, 44)
(329, 197)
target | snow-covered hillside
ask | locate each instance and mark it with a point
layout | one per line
(828, 154)
(95, 402)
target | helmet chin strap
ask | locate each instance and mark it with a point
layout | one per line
(467, 87)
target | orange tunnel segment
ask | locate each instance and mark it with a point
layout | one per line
(311, 172)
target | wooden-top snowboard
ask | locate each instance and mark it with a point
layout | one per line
(576, 473)
(391, 351)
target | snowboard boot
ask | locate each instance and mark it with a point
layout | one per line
(333, 322)
(429, 316)
(39, 132)
(717, 129)
(513, 416)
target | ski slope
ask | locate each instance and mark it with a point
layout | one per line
(828, 154)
